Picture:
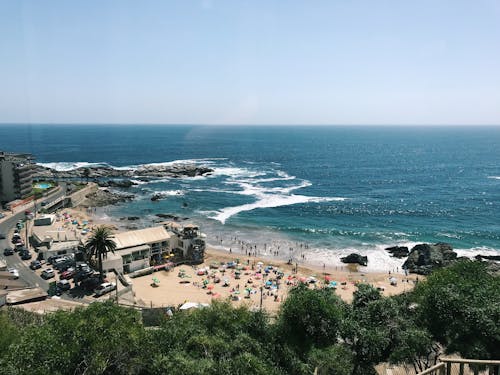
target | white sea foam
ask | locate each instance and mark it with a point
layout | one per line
(471, 253)
(139, 182)
(170, 193)
(68, 166)
(269, 201)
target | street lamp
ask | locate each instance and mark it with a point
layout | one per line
(28, 216)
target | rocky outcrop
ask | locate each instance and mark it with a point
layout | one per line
(157, 196)
(424, 258)
(398, 251)
(104, 197)
(124, 184)
(355, 258)
(144, 173)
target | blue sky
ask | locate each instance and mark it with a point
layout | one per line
(250, 62)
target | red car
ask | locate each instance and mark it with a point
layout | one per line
(68, 274)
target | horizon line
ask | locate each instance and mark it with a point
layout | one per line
(236, 125)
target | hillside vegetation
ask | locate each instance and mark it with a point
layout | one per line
(456, 310)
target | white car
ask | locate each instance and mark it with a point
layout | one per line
(48, 273)
(14, 272)
(104, 288)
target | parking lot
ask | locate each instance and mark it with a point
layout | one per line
(60, 275)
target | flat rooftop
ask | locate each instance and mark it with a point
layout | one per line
(139, 237)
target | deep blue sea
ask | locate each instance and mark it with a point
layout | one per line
(321, 191)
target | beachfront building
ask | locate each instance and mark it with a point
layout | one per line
(16, 181)
(138, 249)
(144, 248)
(188, 241)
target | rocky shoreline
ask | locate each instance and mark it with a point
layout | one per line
(145, 172)
(104, 197)
(424, 258)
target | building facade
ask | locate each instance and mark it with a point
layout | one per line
(140, 249)
(16, 181)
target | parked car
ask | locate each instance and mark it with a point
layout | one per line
(25, 255)
(48, 273)
(8, 251)
(68, 274)
(2, 236)
(63, 285)
(82, 275)
(14, 272)
(53, 258)
(104, 288)
(91, 282)
(36, 264)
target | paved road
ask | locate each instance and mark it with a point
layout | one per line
(7, 224)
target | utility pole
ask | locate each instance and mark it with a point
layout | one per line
(261, 288)
(116, 287)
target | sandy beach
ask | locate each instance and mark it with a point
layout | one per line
(183, 284)
(204, 283)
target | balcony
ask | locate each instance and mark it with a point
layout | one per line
(457, 366)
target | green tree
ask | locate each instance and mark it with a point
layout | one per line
(219, 339)
(332, 360)
(98, 246)
(102, 338)
(310, 318)
(460, 305)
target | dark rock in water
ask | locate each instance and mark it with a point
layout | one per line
(166, 216)
(133, 218)
(157, 197)
(121, 183)
(424, 258)
(398, 251)
(488, 257)
(184, 204)
(355, 258)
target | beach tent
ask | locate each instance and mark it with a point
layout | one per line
(193, 305)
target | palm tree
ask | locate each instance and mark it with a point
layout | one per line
(98, 246)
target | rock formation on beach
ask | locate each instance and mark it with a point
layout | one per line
(398, 251)
(144, 172)
(104, 197)
(424, 258)
(355, 258)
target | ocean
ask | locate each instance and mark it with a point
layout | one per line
(304, 191)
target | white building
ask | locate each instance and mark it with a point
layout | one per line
(139, 249)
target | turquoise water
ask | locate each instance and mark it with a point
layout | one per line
(43, 185)
(322, 191)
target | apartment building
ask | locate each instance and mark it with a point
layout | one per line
(16, 172)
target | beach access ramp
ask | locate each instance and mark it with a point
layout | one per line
(26, 295)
